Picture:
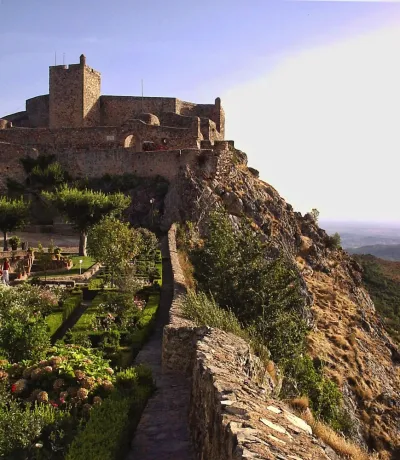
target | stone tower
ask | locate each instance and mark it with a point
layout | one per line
(74, 96)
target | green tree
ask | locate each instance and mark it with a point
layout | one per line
(13, 215)
(86, 208)
(315, 213)
(334, 241)
(113, 243)
(148, 241)
(262, 292)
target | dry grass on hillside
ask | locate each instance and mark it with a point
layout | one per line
(338, 443)
(187, 269)
(354, 357)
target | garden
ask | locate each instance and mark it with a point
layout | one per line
(67, 350)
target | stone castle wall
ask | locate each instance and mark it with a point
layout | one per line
(37, 110)
(115, 110)
(66, 96)
(91, 97)
(104, 136)
(96, 163)
(10, 166)
(233, 415)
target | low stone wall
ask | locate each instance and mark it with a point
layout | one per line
(232, 414)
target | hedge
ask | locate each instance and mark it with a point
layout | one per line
(107, 434)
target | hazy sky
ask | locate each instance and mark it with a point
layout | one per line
(311, 90)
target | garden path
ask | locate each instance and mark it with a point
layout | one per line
(163, 432)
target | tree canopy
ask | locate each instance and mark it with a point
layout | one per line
(13, 215)
(85, 208)
(113, 243)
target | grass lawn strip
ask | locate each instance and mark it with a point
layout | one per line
(87, 263)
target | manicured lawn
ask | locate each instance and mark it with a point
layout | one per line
(86, 264)
(85, 321)
(54, 321)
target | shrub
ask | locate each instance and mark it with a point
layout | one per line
(14, 242)
(260, 291)
(20, 340)
(71, 303)
(334, 241)
(107, 433)
(204, 311)
(24, 427)
(302, 378)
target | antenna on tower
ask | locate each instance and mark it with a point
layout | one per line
(142, 94)
(55, 57)
(63, 58)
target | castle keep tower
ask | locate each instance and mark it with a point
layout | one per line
(74, 96)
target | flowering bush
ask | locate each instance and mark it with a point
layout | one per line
(26, 301)
(118, 311)
(70, 375)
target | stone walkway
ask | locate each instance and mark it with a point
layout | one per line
(162, 433)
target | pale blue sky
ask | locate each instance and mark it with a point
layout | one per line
(316, 79)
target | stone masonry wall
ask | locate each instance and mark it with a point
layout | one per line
(37, 109)
(66, 96)
(232, 417)
(104, 137)
(10, 166)
(119, 161)
(115, 110)
(91, 97)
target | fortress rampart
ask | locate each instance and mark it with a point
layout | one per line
(75, 117)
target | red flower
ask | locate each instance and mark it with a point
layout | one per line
(13, 388)
(54, 404)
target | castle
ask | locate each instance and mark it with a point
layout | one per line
(92, 134)
(75, 114)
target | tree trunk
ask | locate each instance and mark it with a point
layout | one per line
(5, 246)
(82, 244)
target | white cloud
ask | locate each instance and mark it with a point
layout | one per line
(323, 126)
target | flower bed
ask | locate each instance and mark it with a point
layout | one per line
(61, 391)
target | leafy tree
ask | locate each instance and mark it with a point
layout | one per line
(86, 208)
(148, 241)
(13, 215)
(334, 241)
(113, 243)
(315, 214)
(232, 265)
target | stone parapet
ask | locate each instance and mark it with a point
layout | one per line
(232, 413)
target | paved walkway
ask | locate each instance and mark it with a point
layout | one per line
(162, 433)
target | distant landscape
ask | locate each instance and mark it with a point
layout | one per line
(377, 238)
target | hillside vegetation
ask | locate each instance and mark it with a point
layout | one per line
(382, 280)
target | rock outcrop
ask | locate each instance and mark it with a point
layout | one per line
(233, 415)
(346, 332)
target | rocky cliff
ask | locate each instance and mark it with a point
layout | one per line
(345, 330)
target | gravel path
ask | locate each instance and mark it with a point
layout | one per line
(162, 433)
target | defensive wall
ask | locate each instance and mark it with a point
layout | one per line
(75, 101)
(119, 160)
(233, 414)
(105, 137)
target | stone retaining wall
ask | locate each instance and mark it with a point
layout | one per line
(232, 417)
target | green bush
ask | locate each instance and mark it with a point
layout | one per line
(233, 265)
(107, 434)
(20, 340)
(23, 427)
(204, 311)
(302, 378)
(145, 324)
(334, 241)
(71, 303)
